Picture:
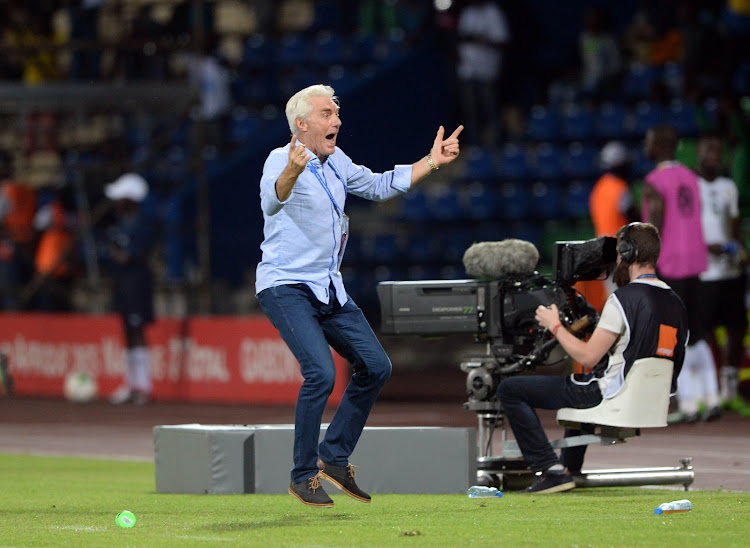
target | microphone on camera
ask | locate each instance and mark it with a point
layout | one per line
(498, 259)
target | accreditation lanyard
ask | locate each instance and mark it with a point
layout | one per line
(344, 218)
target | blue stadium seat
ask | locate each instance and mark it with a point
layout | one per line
(546, 201)
(417, 272)
(293, 50)
(481, 163)
(481, 202)
(641, 165)
(683, 117)
(422, 247)
(258, 52)
(513, 162)
(638, 81)
(576, 199)
(328, 49)
(414, 206)
(453, 243)
(577, 123)
(610, 121)
(380, 248)
(548, 162)
(514, 201)
(363, 49)
(646, 116)
(581, 161)
(243, 125)
(673, 76)
(342, 79)
(444, 206)
(542, 124)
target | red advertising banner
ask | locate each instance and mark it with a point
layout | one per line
(200, 359)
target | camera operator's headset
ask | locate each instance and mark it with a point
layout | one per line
(628, 248)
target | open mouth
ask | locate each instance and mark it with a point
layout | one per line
(331, 138)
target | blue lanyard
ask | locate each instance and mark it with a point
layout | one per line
(325, 186)
(646, 276)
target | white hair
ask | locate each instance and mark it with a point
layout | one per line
(299, 105)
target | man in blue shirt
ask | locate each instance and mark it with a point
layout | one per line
(303, 192)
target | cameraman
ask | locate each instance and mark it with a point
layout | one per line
(643, 318)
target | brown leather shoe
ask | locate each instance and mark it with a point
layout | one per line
(311, 493)
(343, 478)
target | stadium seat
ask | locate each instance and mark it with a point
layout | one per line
(328, 49)
(641, 165)
(577, 123)
(513, 163)
(293, 50)
(646, 116)
(480, 202)
(243, 125)
(548, 162)
(546, 200)
(453, 243)
(580, 161)
(542, 124)
(514, 201)
(422, 247)
(610, 121)
(638, 81)
(481, 163)
(258, 52)
(363, 49)
(380, 248)
(444, 205)
(576, 199)
(673, 76)
(414, 206)
(683, 117)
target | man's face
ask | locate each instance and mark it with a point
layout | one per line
(709, 157)
(318, 133)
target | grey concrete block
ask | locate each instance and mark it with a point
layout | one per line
(195, 458)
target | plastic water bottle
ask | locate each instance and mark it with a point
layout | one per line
(483, 492)
(674, 507)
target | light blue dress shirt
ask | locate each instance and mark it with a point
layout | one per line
(302, 235)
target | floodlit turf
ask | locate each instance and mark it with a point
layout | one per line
(46, 501)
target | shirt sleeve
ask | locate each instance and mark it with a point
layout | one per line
(733, 199)
(269, 200)
(611, 318)
(363, 182)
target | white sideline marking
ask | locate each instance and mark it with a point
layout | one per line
(85, 528)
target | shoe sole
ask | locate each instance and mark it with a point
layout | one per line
(342, 488)
(556, 489)
(315, 504)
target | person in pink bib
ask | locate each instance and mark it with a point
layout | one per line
(672, 202)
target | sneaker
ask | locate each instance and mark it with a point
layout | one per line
(311, 493)
(122, 395)
(678, 417)
(343, 478)
(711, 414)
(548, 483)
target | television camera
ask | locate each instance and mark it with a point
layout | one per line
(498, 307)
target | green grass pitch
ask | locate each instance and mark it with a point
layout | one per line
(51, 501)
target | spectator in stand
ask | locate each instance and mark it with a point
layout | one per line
(211, 78)
(672, 202)
(54, 260)
(600, 56)
(611, 205)
(129, 240)
(611, 201)
(17, 209)
(723, 283)
(483, 33)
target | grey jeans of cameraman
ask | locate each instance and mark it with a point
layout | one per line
(521, 395)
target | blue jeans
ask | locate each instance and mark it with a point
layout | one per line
(308, 327)
(520, 395)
